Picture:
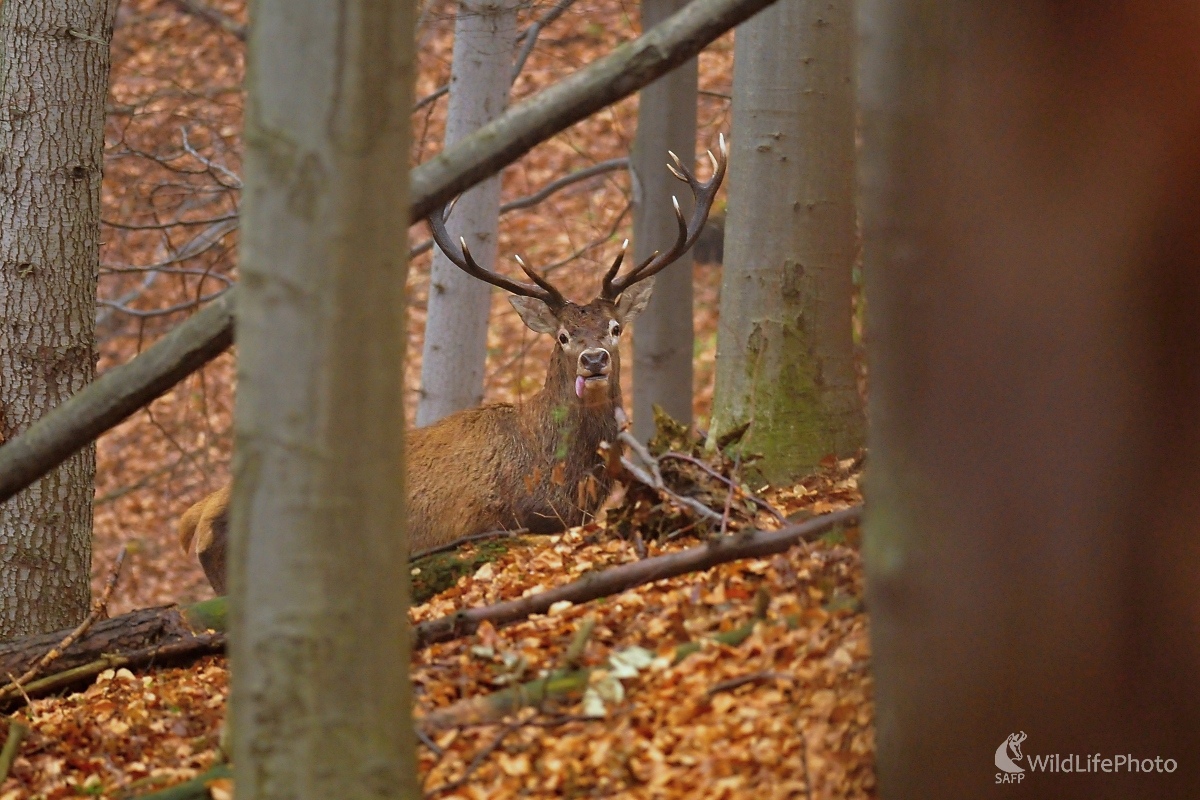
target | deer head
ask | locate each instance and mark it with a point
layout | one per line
(587, 359)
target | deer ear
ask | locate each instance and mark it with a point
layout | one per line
(535, 313)
(634, 299)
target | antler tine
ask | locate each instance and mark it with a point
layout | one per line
(704, 194)
(613, 270)
(554, 293)
(463, 259)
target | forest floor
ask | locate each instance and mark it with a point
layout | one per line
(786, 713)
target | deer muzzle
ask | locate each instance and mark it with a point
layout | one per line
(594, 367)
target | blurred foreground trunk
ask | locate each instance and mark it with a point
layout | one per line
(1032, 177)
(319, 644)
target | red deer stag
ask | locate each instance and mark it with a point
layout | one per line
(534, 465)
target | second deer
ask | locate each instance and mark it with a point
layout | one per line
(535, 465)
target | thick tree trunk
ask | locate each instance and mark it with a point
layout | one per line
(455, 346)
(321, 700)
(1032, 177)
(784, 345)
(662, 337)
(54, 63)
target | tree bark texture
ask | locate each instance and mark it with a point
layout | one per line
(1031, 179)
(662, 337)
(785, 353)
(321, 700)
(455, 346)
(633, 65)
(54, 63)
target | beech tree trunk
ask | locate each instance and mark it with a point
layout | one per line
(1031, 176)
(321, 701)
(662, 337)
(785, 353)
(54, 63)
(455, 347)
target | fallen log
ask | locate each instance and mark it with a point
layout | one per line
(134, 639)
(751, 544)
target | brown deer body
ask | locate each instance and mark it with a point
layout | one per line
(535, 465)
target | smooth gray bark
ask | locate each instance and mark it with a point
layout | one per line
(662, 338)
(321, 700)
(619, 74)
(455, 346)
(1031, 179)
(54, 64)
(785, 352)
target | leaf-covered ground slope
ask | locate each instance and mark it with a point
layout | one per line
(786, 712)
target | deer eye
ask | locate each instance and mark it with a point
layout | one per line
(563, 339)
(614, 329)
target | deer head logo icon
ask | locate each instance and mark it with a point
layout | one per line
(1012, 743)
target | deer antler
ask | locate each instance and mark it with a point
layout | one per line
(704, 193)
(540, 288)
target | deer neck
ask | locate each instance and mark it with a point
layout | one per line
(570, 429)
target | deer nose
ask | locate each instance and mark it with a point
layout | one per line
(594, 361)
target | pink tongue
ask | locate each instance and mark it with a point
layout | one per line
(579, 386)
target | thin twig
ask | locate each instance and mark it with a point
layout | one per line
(20, 688)
(213, 167)
(427, 740)
(753, 498)
(162, 312)
(474, 537)
(530, 36)
(730, 684)
(444, 89)
(98, 608)
(541, 194)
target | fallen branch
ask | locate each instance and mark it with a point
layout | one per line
(122, 390)
(733, 487)
(651, 476)
(751, 544)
